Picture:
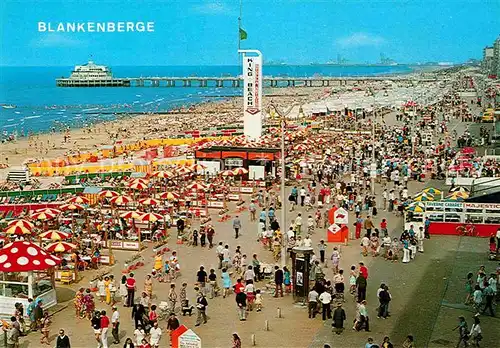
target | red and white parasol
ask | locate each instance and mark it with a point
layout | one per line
(54, 235)
(108, 194)
(131, 214)
(196, 186)
(240, 171)
(163, 174)
(79, 200)
(197, 167)
(60, 247)
(17, 230)
(149, 201)
(49, 210)
(72, 207)
(21, 222)
(43, 216)
(171, 196)
(468, 150)
(121, 200)
(138, 185)
(23, 256)
(149, 217)
(183, 170)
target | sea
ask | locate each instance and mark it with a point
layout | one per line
(40, 106)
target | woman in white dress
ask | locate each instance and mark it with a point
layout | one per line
(101, 289)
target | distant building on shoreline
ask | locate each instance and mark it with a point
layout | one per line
(491, 59)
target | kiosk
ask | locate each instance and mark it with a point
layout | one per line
(27, 272)
(301, 267)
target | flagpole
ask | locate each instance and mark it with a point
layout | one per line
(239, 28)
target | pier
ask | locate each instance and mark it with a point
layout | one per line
(234, 82)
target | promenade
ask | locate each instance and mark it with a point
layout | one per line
(427, 293)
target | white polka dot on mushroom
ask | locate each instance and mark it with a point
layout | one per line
(36, 262)
(7, 265)
(32, 251)
(50, 262)
(3, 258)
(14, 250)
(22, 261)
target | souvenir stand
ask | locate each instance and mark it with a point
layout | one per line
(27, 272)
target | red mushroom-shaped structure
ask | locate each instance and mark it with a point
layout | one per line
(22, 256)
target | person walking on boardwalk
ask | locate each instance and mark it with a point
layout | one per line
(338, 319)
(201, 306)
(236, 226)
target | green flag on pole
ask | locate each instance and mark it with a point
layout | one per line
(243, 34)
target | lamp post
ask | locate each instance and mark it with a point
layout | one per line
(282, 118)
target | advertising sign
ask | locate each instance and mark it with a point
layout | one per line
(189, 339)
(252, 96)
(341, 216)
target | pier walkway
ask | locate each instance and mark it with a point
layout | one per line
(233, 81)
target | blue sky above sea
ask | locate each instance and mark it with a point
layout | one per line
(206, 32)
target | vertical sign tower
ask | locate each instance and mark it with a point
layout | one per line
(252, 93)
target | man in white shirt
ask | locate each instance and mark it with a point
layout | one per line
(298, 223)
(325, 298)
(290, 233)
(308, 241)
(249, 274)
(226, 258)
(155, 335)
(313, 302)
(115, 324)
(302, 195)
(218, 251)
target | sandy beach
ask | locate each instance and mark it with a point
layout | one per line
(132, 128)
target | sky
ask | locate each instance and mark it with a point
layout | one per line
(204, 32)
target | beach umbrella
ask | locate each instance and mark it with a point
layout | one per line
(240, 171)
(108, 194)
(459, 189)
(24, 256)
(463, 195)
(465, 165)
(163, 174)
(196, 186)
(43, 215)
(149, 201)
(432, 191)
(468, 150)
(149, 217)
(121, 200)
(60, 247)
(131, 214)
(197, 167)
(141, 180)
(49, 210)
(300, 147)
(453, 199)
(183, 170)
(423, 197)
(138, 185)
(54, 235)
(416, 208)
(17, 230)
(79, 200)
(171, 196)
(21, 222)
(227, 173)
(72, 207)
